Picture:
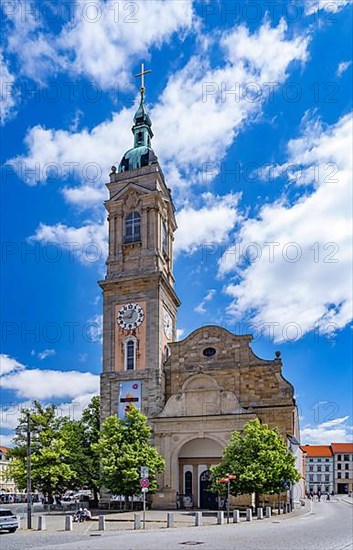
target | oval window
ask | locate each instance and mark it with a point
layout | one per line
(209, 352)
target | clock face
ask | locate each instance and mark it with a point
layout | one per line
(130, 316)
(167, 324)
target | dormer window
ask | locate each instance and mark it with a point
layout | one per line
(133, 228)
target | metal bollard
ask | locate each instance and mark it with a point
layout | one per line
(68, 523)
(198, 519)
(42, 524)
(248, 514)
(285, 508)
(170, 519)
(288, 508)
(268, 511)
(280, 509)
(220, 517)
(236, 516)
(101, 523)
(137, 521)
(260, 513)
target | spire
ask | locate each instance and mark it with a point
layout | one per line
(141, 154)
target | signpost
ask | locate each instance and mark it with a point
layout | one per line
(228, 479)
(144, 484)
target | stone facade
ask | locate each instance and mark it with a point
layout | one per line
(194, 392)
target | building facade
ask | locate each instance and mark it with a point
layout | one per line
(194, 392)
(6, 485)
(319, 469)
(343, 467)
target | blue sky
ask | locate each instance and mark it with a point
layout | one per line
(251, 110)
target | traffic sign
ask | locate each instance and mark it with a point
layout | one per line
(144, 472)
(144, 489)
(145, 482)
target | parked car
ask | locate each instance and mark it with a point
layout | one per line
(8, 521)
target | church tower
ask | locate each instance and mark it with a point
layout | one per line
(139, 301)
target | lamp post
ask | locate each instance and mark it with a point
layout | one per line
(29, 474)
(228, 479)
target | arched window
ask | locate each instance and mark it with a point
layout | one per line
(133, 228)
(188, 483)
(140, 138)
(130, 354)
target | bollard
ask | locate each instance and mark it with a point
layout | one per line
(288, 508)
(268, 511)
(42, 526)
(284, 508)
(19, 519)
(68, 523)
(280, 509)
(170, 519)
(220, 517)
(137, 521)
(198, 519)
(260, 513)
(101, 523)
(248, 514)
(236, 516)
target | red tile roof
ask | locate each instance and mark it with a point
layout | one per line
(317, 450)
(4, 449)
(342, 447)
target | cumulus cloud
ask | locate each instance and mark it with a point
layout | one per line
(293, 262)
(207, 224)
(314, 6)
(123, 32)
(87, 243)
(325, 433)
(46, 353)
(7, 91)
(50, 384)
(199, 140)
(9, 364)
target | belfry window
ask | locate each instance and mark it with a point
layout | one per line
(140, 138)
(130, 355)
(133, 228)
(165, 238)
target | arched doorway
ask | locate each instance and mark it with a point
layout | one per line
(195, 459)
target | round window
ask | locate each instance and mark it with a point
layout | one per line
(209, 352)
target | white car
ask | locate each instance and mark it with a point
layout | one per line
(8, 521)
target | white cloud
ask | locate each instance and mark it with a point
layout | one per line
(331, 7)
(199, 141)
(9, 364)
(7, 92)
(342, 67)
(46, 353)
(6, 440)
(333, 431)
(87, 243)
(200, 308)
(50, 384)
(101, 40)
(208, 224)
(316, 289)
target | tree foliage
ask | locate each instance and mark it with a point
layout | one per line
(260, 460)
(62, 454)
(124, 447)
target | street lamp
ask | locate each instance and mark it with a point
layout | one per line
(228, 479)
(29, 473)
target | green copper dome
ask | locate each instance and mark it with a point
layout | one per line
(142, 154)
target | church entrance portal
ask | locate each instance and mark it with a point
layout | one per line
(195, 459)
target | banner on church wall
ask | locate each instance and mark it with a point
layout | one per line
(129, 393)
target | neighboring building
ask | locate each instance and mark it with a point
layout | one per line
(343, 461)
(194, 392)
(6, 486)
(319, 468)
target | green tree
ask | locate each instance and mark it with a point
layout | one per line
(124, 446)
(80, 437)
(51, 469)
(260, 460)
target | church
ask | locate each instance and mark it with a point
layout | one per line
(196, 391)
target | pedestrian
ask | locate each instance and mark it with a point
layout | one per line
(319, 495)
(327, 496)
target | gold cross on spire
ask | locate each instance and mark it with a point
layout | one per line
(142, 75)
